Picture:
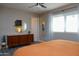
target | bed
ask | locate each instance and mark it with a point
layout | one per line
(58, 47)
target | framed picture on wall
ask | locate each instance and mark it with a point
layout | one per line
(43, 27)
(18, 23)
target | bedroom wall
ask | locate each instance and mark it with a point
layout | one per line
(50, 35)
(0, 23)
(8, 17)
(44, 35)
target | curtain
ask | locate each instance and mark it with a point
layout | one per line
(61, 35)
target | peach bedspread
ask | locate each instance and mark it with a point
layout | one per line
(51, 48)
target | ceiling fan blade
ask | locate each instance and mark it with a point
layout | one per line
(33, 5)
(42, 6)
(41, 3)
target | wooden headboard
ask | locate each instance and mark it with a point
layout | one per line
(18, 40)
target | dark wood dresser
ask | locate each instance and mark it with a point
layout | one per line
(18, 40)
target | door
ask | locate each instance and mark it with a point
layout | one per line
(35, 27)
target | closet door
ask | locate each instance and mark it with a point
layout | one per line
(35, 27)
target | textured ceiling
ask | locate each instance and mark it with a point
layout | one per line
(25, 6)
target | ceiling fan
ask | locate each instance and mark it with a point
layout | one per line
(38, 4)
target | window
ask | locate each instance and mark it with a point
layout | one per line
(58, 24)
(65, 23)
(72, 23)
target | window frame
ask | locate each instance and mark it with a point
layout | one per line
(65, 15)
(57, 16)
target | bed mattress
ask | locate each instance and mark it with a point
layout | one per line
(58, 47)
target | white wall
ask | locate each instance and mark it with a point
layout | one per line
(8, 17)
(50, 35)
(43, 19)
